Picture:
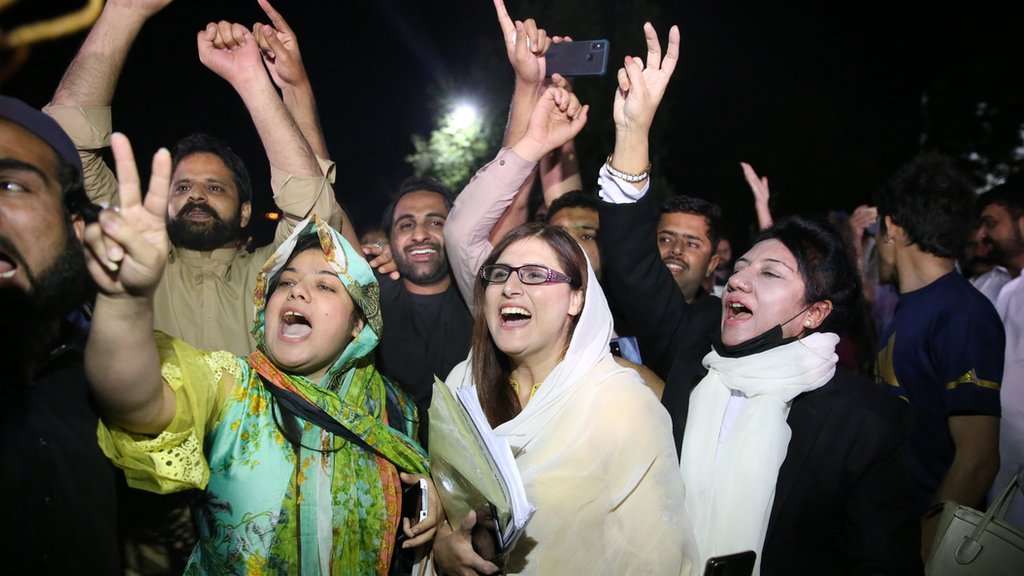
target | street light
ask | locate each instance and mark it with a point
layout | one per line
(464, 116)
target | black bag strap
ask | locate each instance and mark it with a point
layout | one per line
(295, 405)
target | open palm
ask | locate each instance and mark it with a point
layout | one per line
(641, 87)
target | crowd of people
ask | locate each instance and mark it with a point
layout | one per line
(815, 400)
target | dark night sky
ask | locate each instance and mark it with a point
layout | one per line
(822, 97)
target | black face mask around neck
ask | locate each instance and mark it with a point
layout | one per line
(771, 338)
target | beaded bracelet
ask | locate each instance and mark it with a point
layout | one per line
(625, 175)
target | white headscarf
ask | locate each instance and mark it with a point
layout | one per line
(729, 497)
(588, 347)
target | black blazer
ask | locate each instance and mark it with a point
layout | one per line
(843, 494)
(674, 336)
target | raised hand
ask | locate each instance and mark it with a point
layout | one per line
(525, 45)
(127, 249)
(279, 47)
(231, 52)
(759, 187)
(863, 217)
(641, 87)
(557, 118)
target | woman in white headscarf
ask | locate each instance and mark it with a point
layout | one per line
(593, 444)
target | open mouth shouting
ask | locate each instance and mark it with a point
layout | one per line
(295, 327)
(514, 316)
(737, 311)
(8, 266)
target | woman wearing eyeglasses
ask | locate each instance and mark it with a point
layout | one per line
(593, 444)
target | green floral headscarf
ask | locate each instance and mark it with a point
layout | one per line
(356, 396)
(353, 271)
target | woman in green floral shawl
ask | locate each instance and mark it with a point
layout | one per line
(299, 446)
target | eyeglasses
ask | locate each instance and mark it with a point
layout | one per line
(532, 274)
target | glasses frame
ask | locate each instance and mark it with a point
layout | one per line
(553, 276)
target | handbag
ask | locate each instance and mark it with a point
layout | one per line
(969, 542)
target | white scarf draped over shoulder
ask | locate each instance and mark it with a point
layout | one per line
(730, 486)
(594, 447)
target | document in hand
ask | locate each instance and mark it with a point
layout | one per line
(474, 469)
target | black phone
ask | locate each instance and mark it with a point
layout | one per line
(581, 58)
(740, 564)
(615, 348)
(414, 501)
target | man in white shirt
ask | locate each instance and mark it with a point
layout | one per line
(1002, 226)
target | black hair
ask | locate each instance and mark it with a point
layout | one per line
(712, 214)
(204, 143)
(1009, 195)
(825, 266)
(931, 199)
(573, 199)
(415, 184)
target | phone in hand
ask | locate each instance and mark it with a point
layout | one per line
(740, 564)
(580, 58)
(415, 502)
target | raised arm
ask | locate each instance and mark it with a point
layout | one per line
(637, 281)
(81, 103)
(759, 188)
(557, 118)
(126, 252)
(230, 51)
(560, 170)
(300, 187)
(279, 47)
(525, 45)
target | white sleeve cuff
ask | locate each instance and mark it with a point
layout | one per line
(616, 190)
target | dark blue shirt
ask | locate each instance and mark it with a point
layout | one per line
(942, 353)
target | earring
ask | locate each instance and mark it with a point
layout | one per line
(807, 323)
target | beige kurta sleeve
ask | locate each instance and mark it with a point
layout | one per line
(300, 197)
(89, 128)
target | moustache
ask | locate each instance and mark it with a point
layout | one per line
(190, 206)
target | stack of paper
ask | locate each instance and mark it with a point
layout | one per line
(473, 468)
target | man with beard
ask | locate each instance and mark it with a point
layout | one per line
(943, 350)
(1002, 228)
(429, 326)
(59, 490)
(205, 296)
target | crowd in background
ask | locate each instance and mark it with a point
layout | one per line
(179, 401)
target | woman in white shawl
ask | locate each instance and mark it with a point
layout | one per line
(781, 454)
(593, 445)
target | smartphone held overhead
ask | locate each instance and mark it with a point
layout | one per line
(579, 58)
